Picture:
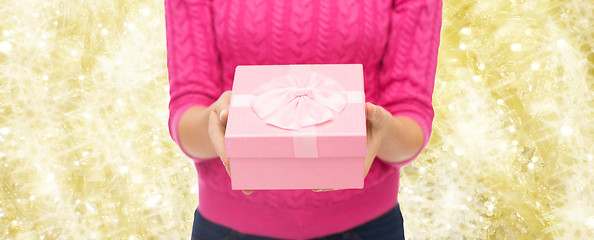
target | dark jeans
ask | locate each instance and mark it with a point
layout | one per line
(388, 226)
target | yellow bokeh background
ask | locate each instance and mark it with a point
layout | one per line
(85, 152)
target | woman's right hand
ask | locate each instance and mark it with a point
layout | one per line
(217, 123)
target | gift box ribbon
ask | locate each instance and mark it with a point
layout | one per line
(299, 101)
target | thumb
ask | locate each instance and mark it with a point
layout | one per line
(223, 115)
(371, 111)
(223, 107)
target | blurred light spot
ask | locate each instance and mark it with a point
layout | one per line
(36, 15)
(146, 11)
(481, 66)
(562, 43)
(50, 177)
(104, 32)
(454, 164)
(124, 169)
(463, 46)
(512, 129)
(90, 208)
(85, 153)
(500, 101)
(535, 66)
(530, 166)
(5, 47)
(458, 152)
(152, 201)
(32, 197)
(566, 130)
(489, 205)
(130, 26)
(516, 47)
(534, 159)
(4, 131)
(56, 23)
(477, 78)
(45, 77)
(465, 31)
(590, 222)
(73, 53)
(81, 77)
(99, 25)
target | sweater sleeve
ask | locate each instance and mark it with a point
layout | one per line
(192, 59)
(409, 63)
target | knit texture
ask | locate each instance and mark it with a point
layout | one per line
(397, 43)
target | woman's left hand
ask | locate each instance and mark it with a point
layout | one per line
(377, 117)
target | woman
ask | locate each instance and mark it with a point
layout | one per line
(397, 43)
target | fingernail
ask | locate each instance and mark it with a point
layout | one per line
(221, 114)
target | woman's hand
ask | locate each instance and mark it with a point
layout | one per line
(217, 123)
(377, 117)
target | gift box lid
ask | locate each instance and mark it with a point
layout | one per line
(250, 136)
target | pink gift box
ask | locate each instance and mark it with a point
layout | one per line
(297, 127)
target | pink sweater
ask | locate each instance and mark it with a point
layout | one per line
(395, 40)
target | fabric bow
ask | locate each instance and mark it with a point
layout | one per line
(299, 100)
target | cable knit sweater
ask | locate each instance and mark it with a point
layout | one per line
(395, 40)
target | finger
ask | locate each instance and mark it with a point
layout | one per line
(370, 111)
(247, 192)
(217, 137)
(368, 162)
(222, 108)
(223, 115)
(376, 114)
(372, 149)
(327, 190)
